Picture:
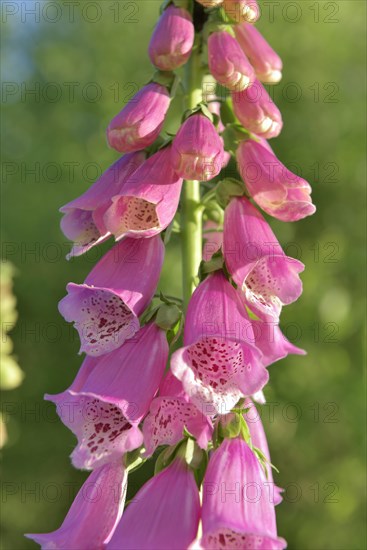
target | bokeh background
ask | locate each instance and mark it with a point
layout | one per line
(67, 68)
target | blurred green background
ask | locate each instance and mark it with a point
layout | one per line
(67, 68)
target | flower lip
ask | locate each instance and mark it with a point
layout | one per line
(104, 429)
(102, 318)
(272, 282)
(217, 372)
(167, 418)
(227, 537)
(133, 216)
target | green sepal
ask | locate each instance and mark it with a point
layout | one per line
(168, 316)
(174, 227)
(195, 458)
(233, 134)
(148, 314)
(264, 461)
(166, 457)
(217, 21)
(251, 314)
(226, 112)
(244, 430)
(169, 79)
(228, 188)
(133, 460)
(214, 212)
(232, 428)
(200, 108)
(214, 264)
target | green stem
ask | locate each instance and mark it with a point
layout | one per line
(191, 209)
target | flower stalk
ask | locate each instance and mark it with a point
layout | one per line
(191, 207)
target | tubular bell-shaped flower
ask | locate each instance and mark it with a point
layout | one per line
(197, 149)
(93, 515)
(272, 343)
(266, 62)
(227, 62)
(242, 10)
(83, 216)
(267, 277)
(169, 414)
(104, 405)
(172, 40)
(140, 121)
(279, 192)
(237, 511)
(164, 514)
(106, 307)
(257, 112)
(148, 201)
(219, 363)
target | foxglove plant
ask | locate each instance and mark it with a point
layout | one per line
(175, 378)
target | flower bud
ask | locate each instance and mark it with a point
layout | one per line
(197, 149)
(279, 192)
(140, 122)
(172, 40)
(257, 112)
(242, 10)
(227, 62)
(266, 62)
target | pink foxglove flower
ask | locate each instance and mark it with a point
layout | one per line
(140, 122)
(197, 149)
(227, 62)
(272, 343)
(237, 511)
(266, 62)
(83, 216)
(106, 403)
(267, 277)
(172, 40)
(257, 112)
(105, 309)
(279, 192)
(169, 414)
(219, 363)
(164, 514)
(148, 201)
(93, 515)
(242, 10)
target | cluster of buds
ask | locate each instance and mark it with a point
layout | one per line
(156, 381)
